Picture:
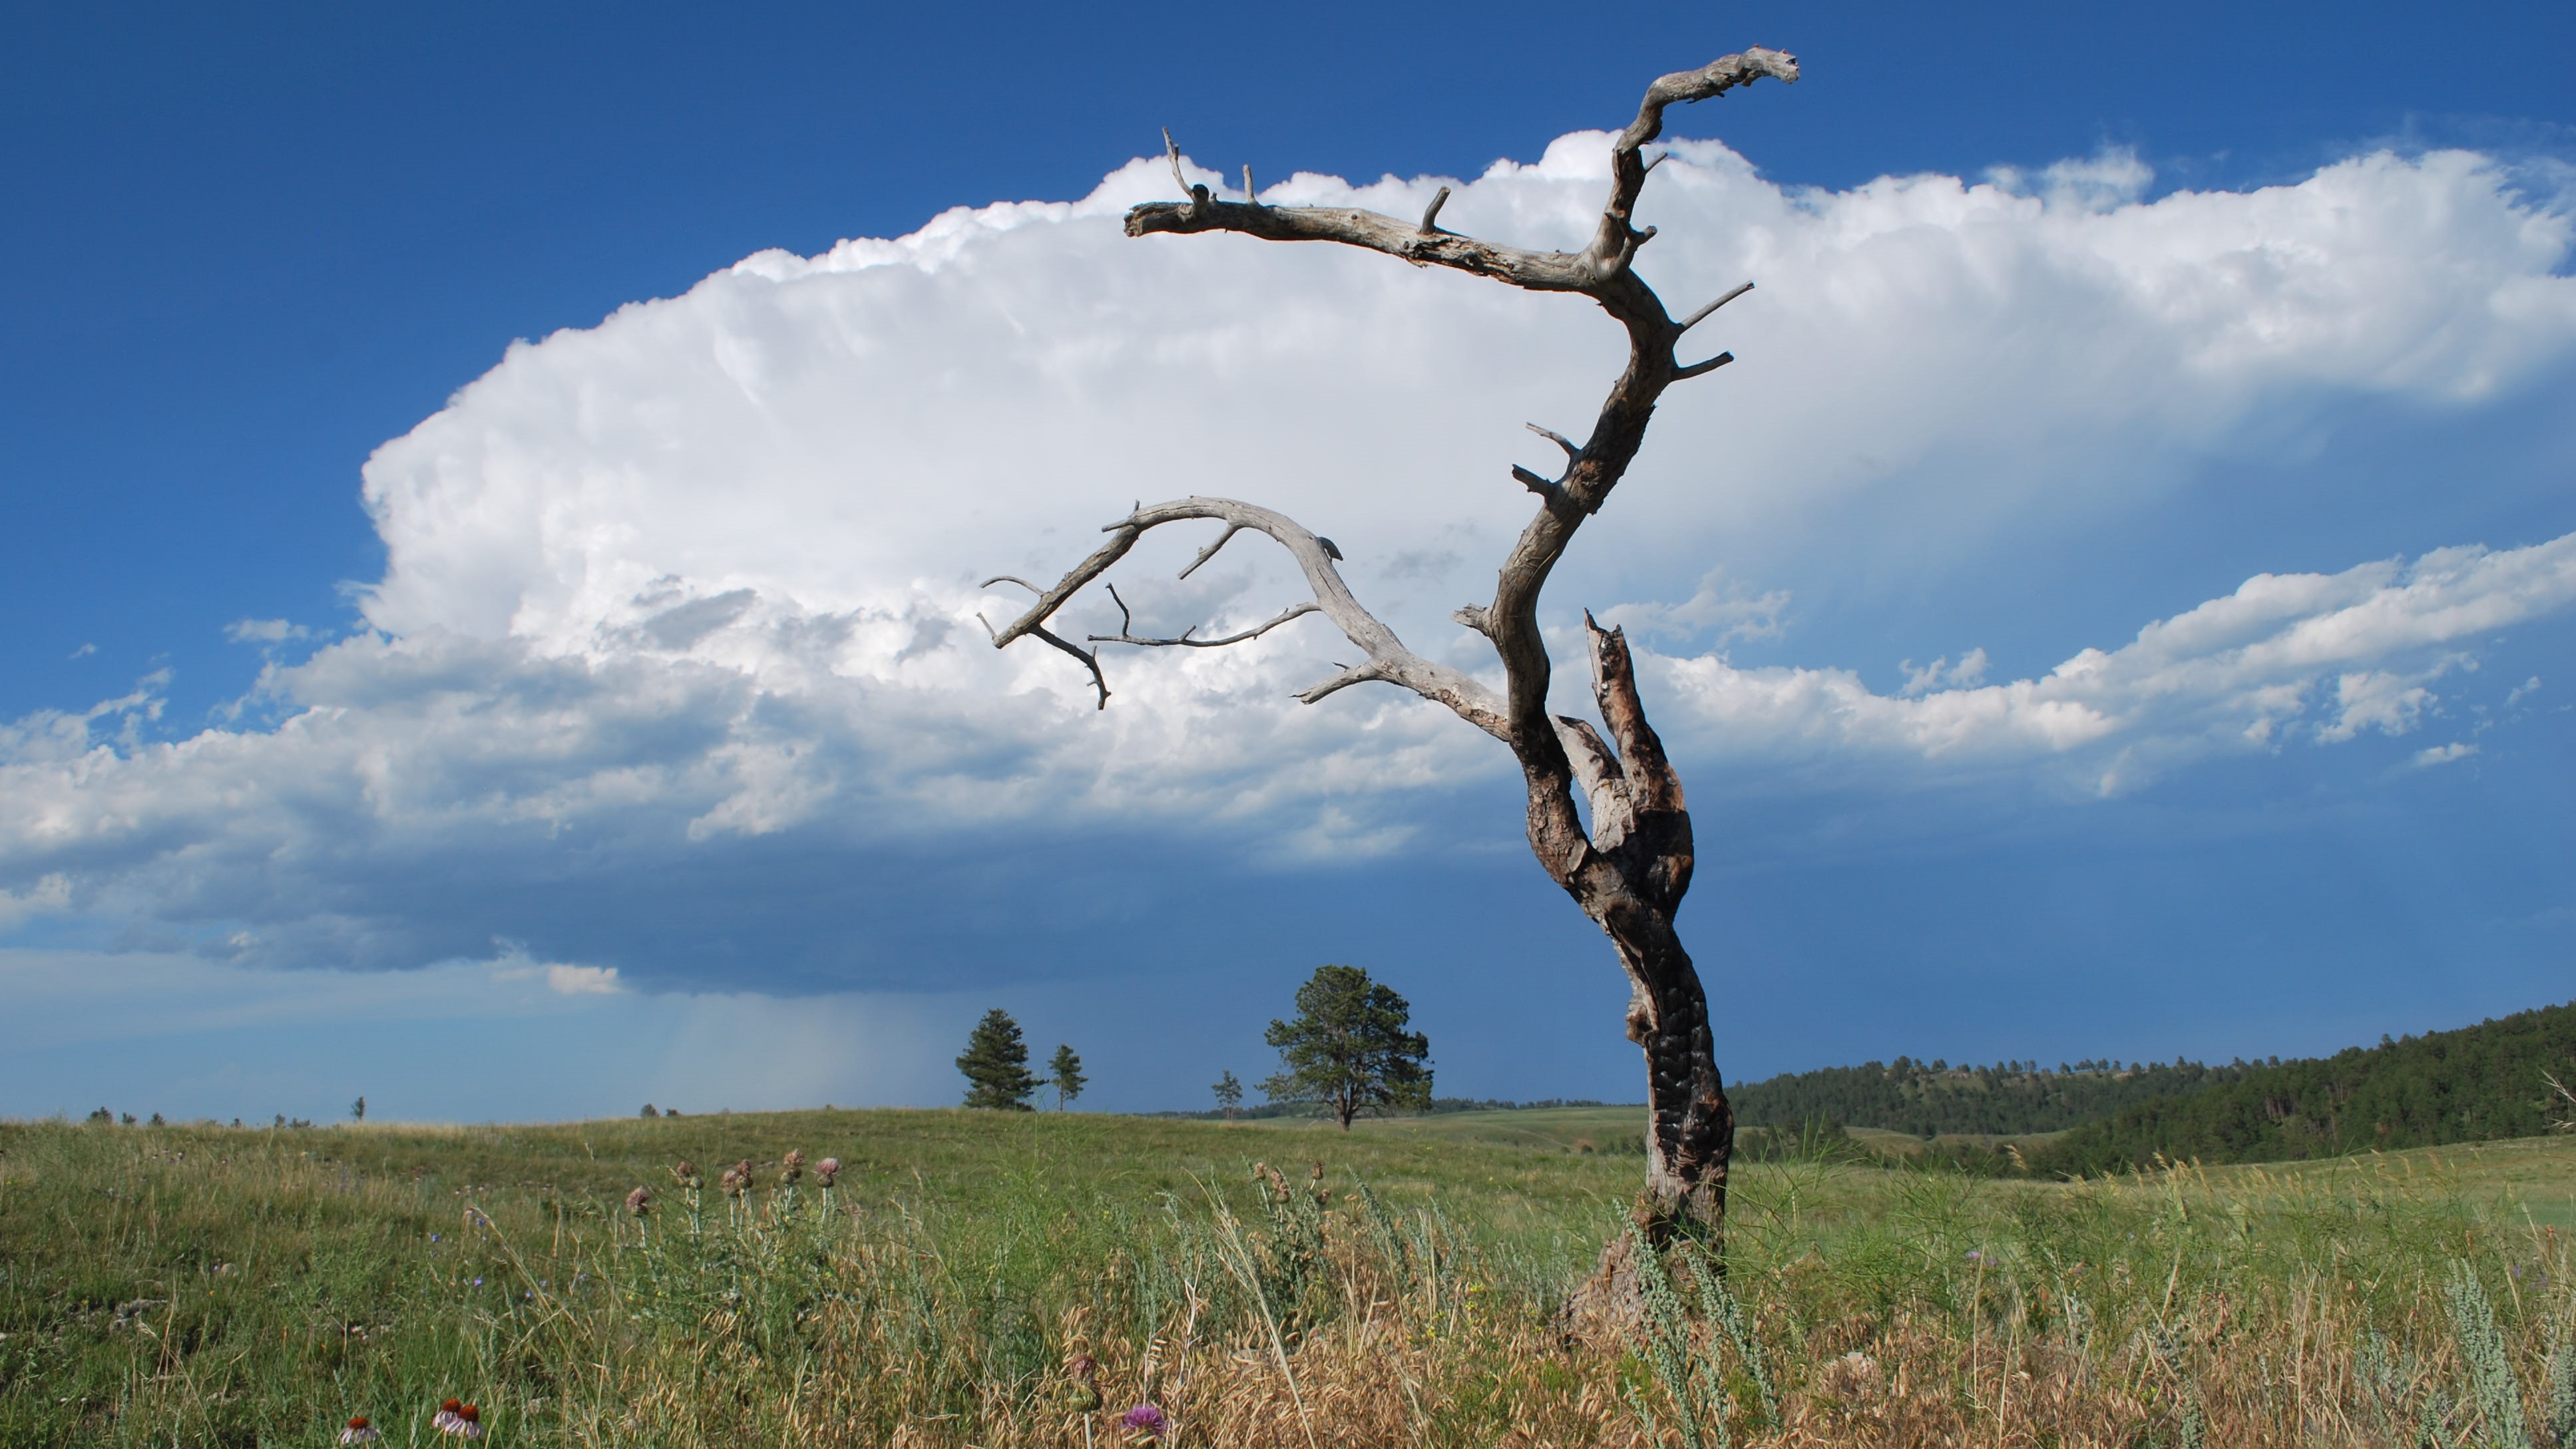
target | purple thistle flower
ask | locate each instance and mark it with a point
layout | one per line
(1144, 1419)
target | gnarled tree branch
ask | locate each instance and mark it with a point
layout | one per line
(1188, 638)
(1388, 658)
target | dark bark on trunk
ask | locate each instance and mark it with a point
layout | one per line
(1630, 881)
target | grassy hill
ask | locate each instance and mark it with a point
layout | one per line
(1593, 1128)
(218, 1286)
(2479, 1083)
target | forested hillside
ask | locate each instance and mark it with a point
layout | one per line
(2475, 1084)
(1929, 1098)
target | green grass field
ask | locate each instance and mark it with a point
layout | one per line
(202, 1285)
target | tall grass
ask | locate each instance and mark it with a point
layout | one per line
(210, 1286)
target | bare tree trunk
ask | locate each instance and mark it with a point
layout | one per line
(1629, 877)
(1630, 867)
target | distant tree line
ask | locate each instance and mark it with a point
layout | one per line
(2476, 1084)
(1930, 1099)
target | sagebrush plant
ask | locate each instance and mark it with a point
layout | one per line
(987, 1279)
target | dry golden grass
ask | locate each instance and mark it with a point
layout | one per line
(214, 1287)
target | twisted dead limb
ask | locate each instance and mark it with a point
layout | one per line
(1629, 870)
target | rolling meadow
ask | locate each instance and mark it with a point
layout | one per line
(1002, 1279)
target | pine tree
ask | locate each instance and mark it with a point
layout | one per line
(1065, 1075)
(996, 1064)
(1229, 1095)
(1348, 1052)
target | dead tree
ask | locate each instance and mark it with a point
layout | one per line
(1629, 870)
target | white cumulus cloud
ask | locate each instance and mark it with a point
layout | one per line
(2330, 655)
(707, 575)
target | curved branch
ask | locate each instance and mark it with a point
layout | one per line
(1388, 659)
(1184, 641)
(1601, 271)
(1596, 270)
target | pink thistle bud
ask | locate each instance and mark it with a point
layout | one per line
(826, 1170)
(639, 1202)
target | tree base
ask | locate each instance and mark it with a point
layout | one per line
(1609, 1308)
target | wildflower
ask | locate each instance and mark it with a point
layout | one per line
(639, 1202)
(359, 1432)
(685, 1173)
(478, 1282)
(1144, 1419)
(826, 1170)
(1082, 1383)
(464, 1421)
(793, 1166)
(446, 1416)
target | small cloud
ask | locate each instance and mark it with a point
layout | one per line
(1730, 609)
(2376, 699)
(562, 979)
(583, 980)
(89, 649)
(2104, 182)
(2521, 691)
(264, 631)
(2443, 754)
(1430, 565)
(1968, 673)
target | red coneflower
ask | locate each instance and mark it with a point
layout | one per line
(359, 1432)
(465, 1423)
(445, 1416)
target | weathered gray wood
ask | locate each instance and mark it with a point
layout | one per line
(1630, 869)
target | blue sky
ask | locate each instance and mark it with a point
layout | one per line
(622, 731)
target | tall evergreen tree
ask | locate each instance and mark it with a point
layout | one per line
(1065, 1075)
(1348, 1052)
(1229, 1095)
(996, 1064)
